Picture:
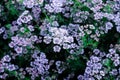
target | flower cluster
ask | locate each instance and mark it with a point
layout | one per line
(32, 3)
(6, 65)
(100, 65)
(60, 37)
(55, 6)
(24, 18)
(39, 66)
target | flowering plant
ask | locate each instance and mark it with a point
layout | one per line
(59, 39)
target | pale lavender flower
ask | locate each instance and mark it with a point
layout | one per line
(94, 59)
(80, 77)
(58, 63)
(12, 44)
(11, 67)
(118, 29)
(47, 39)
(6, 58)
(42, 55)
(57, 10)
(49, 8)
(96, 51)
(112, 51)
(31, 28)
(66, 46)
(3, 76)
(19, 22)
(102, 54)
(99, 77)
(22, 29)
(88, 70)
(119, 70)
(5, 65)
(14, 38)
(29, 3)
(70, 39)
(97, 1)
(2, 29)
(56, 48)
(89, 63)
(108, 26)
(55, 23)
(95, 70)
(98, 16)
(73, 45)
(114, 72)
(14, 28)
(1, 69)
(102, 73)
(36, 10)
(34, 38)
(29, 17)
(99, 65)
(57, 41)
(116, 62)
(19, 50)
(23, 19)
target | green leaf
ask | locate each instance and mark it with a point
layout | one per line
(27, 78)
(107, 63)
(11, 8)
(108, 8)
(8, 26)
